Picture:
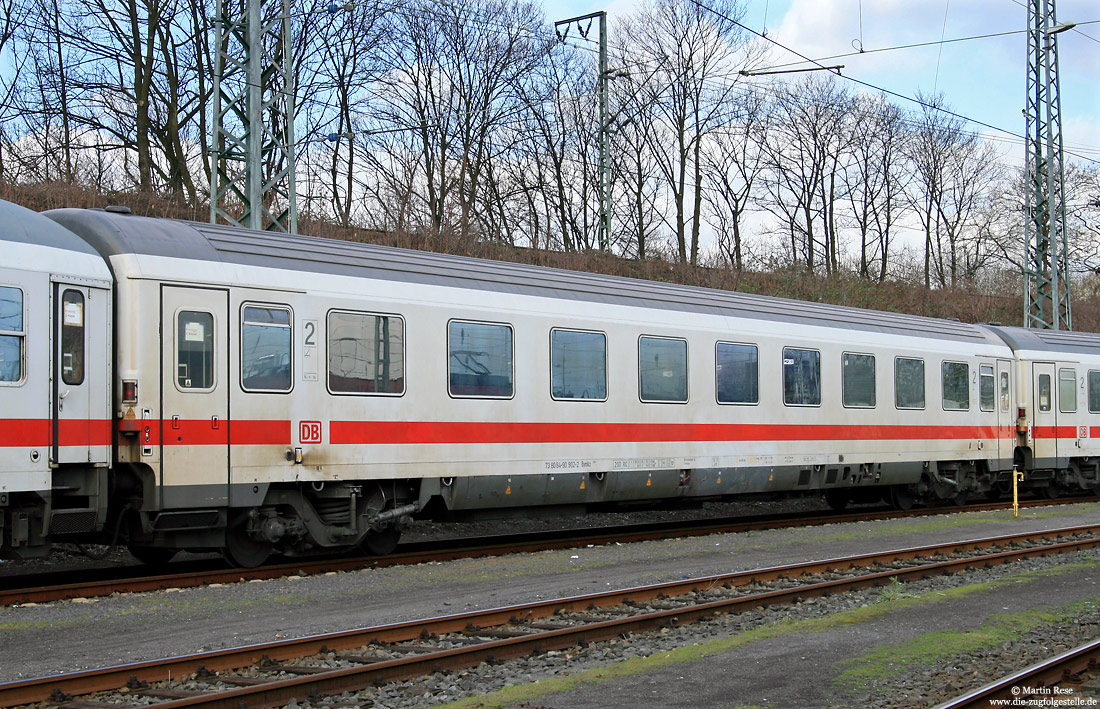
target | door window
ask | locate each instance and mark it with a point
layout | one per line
(72, 337)
(194, 350)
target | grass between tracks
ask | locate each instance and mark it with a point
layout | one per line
(921, 650)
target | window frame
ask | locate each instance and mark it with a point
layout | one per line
(1039, 393)
(783, 376)
(992, 374)
(943, 384)
(512, 343)
(687, 369)
(923, 384)
(844, 381)
(606, 382)
(328, 353)
(213, 351)
(1088, 393)
(83, 326)
(21, 338)
(290, 347)
(756, 348)
(1073, 382)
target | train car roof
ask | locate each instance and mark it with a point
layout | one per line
(25, 226)
(1065, 341)
(115, 233)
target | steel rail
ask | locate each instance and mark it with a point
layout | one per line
(1045, 674)
(497, 545)
(336, 681)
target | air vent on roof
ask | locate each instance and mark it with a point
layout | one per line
(118, 209)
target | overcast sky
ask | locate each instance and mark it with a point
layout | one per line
(983, 79)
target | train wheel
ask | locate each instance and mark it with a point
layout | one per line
(152, 556)
(241, 550)
(381, 543)
(836, 499)
(901, 498)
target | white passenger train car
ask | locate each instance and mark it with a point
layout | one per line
(284, 393)
(55, 376)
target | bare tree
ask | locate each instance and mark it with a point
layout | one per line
(876, 179)
(453, 79)
(732, 164)
(954, 172)
(804, 157)
(694, 53)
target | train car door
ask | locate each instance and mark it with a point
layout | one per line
(194, 417)
(1044, 431)
(1006, 422)
(81, 375)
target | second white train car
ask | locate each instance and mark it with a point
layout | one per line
(285, 393)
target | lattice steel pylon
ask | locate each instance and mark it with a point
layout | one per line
(252, 138)
(1047, 302)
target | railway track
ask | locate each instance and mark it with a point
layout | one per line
(275, 673)
(1058, 680)
(54, 586)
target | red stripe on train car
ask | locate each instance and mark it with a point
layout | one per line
(423, 432)
(30, 433)
(19, 433)
(260, 433)
(1054, 432)
(239, 432)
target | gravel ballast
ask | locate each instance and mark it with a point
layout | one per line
(66, 636)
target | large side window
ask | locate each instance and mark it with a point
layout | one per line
(908, 383)
(1067, 391)
(1094, 392)
(366, 353)
(736, 373)
(578, 365)
(194, 350)
(480, 359)
(265, 348)
(858, 379)
(986, 392)
(662, 369)
(801, 377)
(72, 337)
(11, 334)
(956, 386)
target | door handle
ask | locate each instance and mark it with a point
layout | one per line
(214, 422)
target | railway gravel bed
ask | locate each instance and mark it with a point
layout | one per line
(551, 572)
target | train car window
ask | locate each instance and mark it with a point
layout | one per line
(1067, 391)
(11, 334)
(366, 353)
(1005, 402)
(72, 337)
(987, 394)
(1094, 392)
(662, 370)
(1044, 392)
(194, 350)
(480, 359)
(858, 380)
(265, 348)
(736, 373)
(801, 377)
(956, 386)
(578, 365)
(908, 383)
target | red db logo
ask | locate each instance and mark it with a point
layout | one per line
(309, 431)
